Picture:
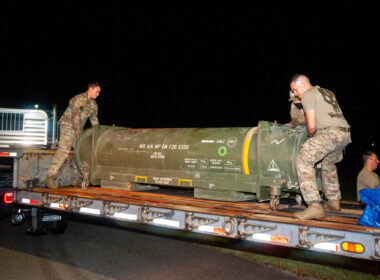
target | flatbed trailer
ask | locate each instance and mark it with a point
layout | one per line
(338, 233)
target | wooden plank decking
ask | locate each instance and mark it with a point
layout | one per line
(346, 219)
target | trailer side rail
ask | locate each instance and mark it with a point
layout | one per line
(345, 239)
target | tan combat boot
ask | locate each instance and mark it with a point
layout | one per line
(50, 182)
(314, 211)
(332, 205)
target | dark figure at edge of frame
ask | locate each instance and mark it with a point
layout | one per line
(367, 179)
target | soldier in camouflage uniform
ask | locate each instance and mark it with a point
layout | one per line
(329, 134)
(297, 116)
(81, 107)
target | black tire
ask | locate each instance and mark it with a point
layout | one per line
(18, 218)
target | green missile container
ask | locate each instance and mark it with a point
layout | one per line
(231, 163)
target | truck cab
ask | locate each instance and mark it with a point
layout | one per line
(21, 130)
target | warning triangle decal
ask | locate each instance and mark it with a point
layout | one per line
(273, 166)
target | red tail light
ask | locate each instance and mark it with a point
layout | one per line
(8, 197)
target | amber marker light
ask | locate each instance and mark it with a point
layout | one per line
(352, 247)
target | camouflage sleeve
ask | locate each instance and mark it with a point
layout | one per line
(293, 120)
(94, 116)
(74, 103)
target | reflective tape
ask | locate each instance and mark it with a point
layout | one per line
(166, 222)
(90, 211)
(29, 201)
(57, 205)
(327, 246)
(270, 238)
(124, 216)
(8, 154)
(211, 229)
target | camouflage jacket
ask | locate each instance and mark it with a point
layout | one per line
(297, 116)
(79, 110)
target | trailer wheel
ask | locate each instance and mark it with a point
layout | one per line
(18, 218)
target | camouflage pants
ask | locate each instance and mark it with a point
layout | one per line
(66, 141)
(326, 146)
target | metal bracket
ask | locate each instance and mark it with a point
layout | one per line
(307, 238)
(228, 225)
(73, 203)
(109, 208)
(377, 247)
(48, 199)
(85, 180)
(66, 201)
(148, 215)
(248, 229)
(194, 221)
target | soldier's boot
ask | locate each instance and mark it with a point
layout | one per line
(332, 205)
(314, 211)
(50, 182)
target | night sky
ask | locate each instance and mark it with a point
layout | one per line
(192, 64)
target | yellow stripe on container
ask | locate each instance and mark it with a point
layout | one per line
(247, 143)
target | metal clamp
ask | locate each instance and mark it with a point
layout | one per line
(194, 221)
(228, 226)
(307, 238)
(148, 215)
(245, 228)
(73, 203)
(109, 208)
(48, 199)
(85, 180)
(377, 247)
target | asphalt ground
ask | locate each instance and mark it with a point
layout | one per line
(97, 250)
(93, 248)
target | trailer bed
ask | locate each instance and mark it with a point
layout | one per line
(337, 233)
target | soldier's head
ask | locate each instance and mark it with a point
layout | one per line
(93, 90)
(370, 160)
(299, 84)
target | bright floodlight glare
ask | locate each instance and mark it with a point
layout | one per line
(36, 106)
